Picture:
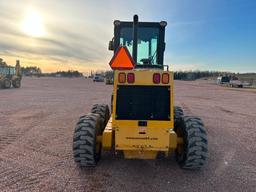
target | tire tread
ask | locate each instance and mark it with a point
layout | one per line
(196, 143)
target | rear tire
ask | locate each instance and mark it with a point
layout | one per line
(103, 111)
(192, 154)
(86, 149)
(16, 83)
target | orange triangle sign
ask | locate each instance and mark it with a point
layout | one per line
(122, 59)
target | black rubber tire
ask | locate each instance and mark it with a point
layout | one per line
(84, 140)
(7, 83)
(103, 111)
(16, 83)
(178, 113)
(195, 147)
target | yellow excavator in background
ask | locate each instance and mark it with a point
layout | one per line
(10, 76)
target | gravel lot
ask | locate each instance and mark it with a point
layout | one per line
(36, 130)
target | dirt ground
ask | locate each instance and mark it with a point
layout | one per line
(36, 130)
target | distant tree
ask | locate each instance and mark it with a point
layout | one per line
(68, 73)
(30, 71)
(2, 63)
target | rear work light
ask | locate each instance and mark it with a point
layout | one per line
(121, 77)
(165, 78)
(130, 77)
(156, 78)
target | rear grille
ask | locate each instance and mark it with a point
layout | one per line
(143, 103)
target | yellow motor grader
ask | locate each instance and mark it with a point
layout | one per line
(144, 121)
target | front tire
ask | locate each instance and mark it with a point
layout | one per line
(7, 84)
(192, 154)
(86, 148)
(178, 113)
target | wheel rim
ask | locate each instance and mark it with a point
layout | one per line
(7, 84)
(180, 147)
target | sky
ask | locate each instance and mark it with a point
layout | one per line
(73, 35)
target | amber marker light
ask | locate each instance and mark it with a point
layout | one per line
(121, 77)
(165, 78)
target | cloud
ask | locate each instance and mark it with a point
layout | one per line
(62, 46)
(78, 33)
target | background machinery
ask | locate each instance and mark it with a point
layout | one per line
(98, 78)
(10, 76)
(230, 81)
(109, 77)
(144, 121)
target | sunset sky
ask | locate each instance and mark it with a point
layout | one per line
(62, 35)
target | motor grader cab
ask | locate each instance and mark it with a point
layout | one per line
(10, 76)
(144, 121)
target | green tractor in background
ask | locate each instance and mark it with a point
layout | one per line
(10, 76)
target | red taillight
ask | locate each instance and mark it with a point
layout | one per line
(130, 77)
(165, 78)
(156, 78)
(121, 77)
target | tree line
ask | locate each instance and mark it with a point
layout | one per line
(68, 73)
(36, 71)
(193, 75)
(30, 71)
(178, 75)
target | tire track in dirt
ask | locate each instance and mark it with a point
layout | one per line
(87, 180)
(8, 136)
(48, 141)
(19, 178)
(7, 139)
(16, 177)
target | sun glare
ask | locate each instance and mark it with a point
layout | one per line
(32, 25)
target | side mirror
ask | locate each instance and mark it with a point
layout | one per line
(111, 45)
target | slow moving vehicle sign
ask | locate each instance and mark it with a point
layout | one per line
(122, 59)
